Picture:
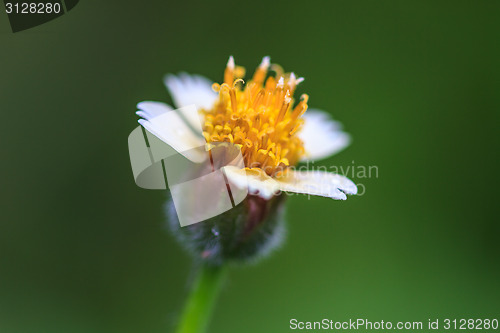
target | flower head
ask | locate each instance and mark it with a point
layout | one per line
(262, 119)
(261, 116)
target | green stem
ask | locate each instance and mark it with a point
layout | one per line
(201, 300)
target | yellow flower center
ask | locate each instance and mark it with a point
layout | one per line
(259, 117)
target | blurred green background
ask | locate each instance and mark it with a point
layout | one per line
(416, 83)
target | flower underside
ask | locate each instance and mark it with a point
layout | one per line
(259, 117)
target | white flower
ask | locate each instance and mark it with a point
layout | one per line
(274, 135)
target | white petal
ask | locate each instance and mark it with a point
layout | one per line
(256, 180)
(322, 136)
(168, 126)
(151, 109)
(188, 89)
(325, 184)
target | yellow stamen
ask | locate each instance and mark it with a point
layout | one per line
(229, 72)
(260, 73)
(258, 116)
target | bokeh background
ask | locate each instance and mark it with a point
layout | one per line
(416, 83)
